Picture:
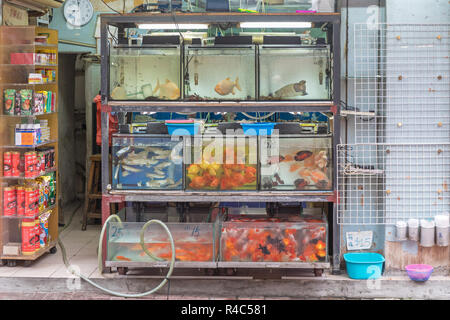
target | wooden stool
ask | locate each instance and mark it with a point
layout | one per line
(93, 196)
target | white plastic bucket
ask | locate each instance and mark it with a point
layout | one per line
(427, 233)
(401, 230)
(413, 229)
(442, 230)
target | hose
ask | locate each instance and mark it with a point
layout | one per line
(100, 264)
(258, 117)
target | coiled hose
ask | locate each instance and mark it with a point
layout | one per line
(73, 271)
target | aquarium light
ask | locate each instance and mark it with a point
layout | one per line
(172, 26)
(267, 25)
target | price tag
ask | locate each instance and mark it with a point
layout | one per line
(359, 240)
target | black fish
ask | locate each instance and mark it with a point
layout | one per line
(278, 178)
(264, 250)
(300, 184)
(302, 155)
(322, 184)
(278, 243)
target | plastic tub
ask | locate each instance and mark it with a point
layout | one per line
(442, 230)
(183, 129)
(427, 233)
(419, 272)
(258, 129)
(364, 265)
(401, 230)
(413, 229)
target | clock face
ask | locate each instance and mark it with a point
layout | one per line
(78, 12)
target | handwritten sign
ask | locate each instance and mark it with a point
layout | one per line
(359, 240)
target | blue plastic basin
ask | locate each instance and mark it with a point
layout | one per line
(258, 129)
(183, 129)
(364, 265)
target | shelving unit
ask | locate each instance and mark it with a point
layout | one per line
(15, 76)
(331, 107)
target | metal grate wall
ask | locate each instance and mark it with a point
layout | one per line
(399, 166)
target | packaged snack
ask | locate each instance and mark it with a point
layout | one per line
(26, 101)
(43, 230)
(9, 97)
(39, 106)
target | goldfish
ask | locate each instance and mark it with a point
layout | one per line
(168, 90)
(226, 86)
(292, 90)
(302, 155)
(123, 258)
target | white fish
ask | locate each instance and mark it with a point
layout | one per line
(128, 168)
(162, 165)
(292, 90)
(155, 175)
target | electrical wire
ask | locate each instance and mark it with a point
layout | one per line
(112, 8)
(258, 117)
(74, 271)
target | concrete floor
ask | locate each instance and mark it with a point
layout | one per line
(47, 278)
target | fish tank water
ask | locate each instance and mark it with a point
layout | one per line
(296, 162)
(220, 72)
(193, 241)
(274, 240)
(145, 73)
(294, 73)
(219, 163)
(144, 161)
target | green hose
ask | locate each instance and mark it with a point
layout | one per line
(100, 264)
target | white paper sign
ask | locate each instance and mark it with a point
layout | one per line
(359, 240)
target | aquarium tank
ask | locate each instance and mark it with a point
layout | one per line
(220, 72)
(147, 72)
(296, 162)
(143, 161)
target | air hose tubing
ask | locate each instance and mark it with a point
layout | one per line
(73, 271)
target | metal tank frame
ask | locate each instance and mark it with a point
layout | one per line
(109, 196)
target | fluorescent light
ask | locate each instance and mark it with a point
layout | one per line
(267, 25)
(159, 26)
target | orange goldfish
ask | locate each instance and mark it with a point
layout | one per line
(168, 90)
(227, 86)
(123, 258)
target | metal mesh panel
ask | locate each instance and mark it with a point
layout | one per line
(384, 183)
(401, 75)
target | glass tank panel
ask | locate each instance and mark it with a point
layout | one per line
(152, 162)
(222, 163)
(220, 73)
(193, 241)
(274, 240)
(296, 162)
(145, 73)
(294, 73)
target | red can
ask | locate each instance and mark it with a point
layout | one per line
(30, 164)
(7, 164)
(30, 202)
(28, 236)
(9, 201)
(20, 194)
(15, 163)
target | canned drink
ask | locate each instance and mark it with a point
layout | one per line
(20, 195)
(30, 162)
(29, 202)
(15, 163)
(28, 237)
(7, 164)
(9, 201)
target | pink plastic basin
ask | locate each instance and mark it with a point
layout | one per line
(419, 272)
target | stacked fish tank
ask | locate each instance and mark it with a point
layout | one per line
(220, 72)
(296, 162)
(142, 161)
(217, 163)
(294, 73)
(193, 242)
(147, 72)
(302, 239)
